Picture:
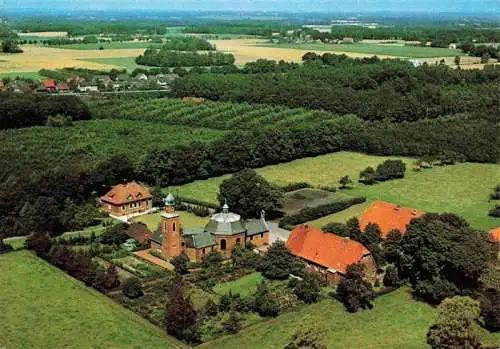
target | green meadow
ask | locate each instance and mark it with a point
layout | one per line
(44, 308)
(462, 188)
(376, 49)
(395, 322)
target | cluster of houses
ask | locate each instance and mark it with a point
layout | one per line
(325, 253)
(98, 83)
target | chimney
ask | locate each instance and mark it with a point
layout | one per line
(397, 207)
(413, 212)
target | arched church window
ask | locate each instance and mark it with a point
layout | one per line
(223, 245)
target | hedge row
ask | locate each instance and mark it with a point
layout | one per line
(187, 200)
(312, 213)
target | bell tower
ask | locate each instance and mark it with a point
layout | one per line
(170, 226)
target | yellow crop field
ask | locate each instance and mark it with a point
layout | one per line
(247, 50)
(44, 34)
(35, 58)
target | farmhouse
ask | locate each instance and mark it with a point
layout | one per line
(328, 254)
(127, 199)
(49, 85)
(62, 87)
(224, 231)
(388, 217)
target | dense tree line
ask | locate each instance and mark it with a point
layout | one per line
(165, 57)
(370, 88)
(262, 28)
(24, 110)
(440, 36)
(188, 44)
(258, 148)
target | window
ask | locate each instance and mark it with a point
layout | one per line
(251, 237)
(261, 235)
(238, 241)
(173, 226)
(223, 245)
(182, 244)
(203, 251)
(123, 207)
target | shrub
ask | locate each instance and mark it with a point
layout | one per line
(311, 213)
(295, 186)
(308, 289)
(495, 212)
(59, 121)
(233, 323)
(132, 288)
(180, 264)
(391, 277)
(390, 169)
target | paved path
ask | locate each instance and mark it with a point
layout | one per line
(277, 233)
(144, 254)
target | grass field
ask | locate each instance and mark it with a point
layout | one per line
(44, 308)
(25, 75)
(122, 62)
(37, 57)
(342, 216)
(395, 322)
(375, 49)
(188, 220)
(463, 188)
(91, 141)
(245, 286)
(110, 45)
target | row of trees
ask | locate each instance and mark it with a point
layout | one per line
(165, 57)
(188, 43)
(389, 169)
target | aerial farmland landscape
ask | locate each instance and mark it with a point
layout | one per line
(282, 174)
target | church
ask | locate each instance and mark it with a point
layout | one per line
(224, 231)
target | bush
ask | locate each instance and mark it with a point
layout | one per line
(233, 323)
(308, 289)
(295, 186)
(495, 212)
(336, 228)
(311, 213)
(180, 264)
(264, 303)
(390, 169)
(59, 121)
(391, 277)
(132, 288)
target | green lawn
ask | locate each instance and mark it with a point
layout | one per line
(123, 62)
(461, 189)
(245, 286)
(395, 322)
(112, 45)
(188, 220)
(376, 49)
(44, 308)
(342, 216)
(25, 75)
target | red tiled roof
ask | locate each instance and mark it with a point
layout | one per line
(388, 217)
(49, 83)
(139, 231)
(494, 235)
(62, 86)
(326, 249)
(126, 193)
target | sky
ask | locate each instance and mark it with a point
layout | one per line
(491, 7)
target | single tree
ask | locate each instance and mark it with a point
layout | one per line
(490, 309)
(443, 257)
(308, 337)
(353, 229)
(391, 246)
(367, 176)
(211, 308)
(248, 194)
(279, 263)
(39, 242)
(112, 278)
(457, 60)
(264, 303)
(454, 326)
(344, 182)
(132, 288)
(233, 322)
(391, 278)
(308, 289)
(180, 315)
(180, 264)
(354, 292)
(371, 235)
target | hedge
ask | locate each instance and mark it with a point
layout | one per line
(311, 213)
(198, 202)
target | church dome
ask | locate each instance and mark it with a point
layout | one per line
(225, 223)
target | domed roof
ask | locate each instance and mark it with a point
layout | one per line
(225, 223)
(169, 200)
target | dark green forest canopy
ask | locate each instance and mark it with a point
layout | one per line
(370, 88)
